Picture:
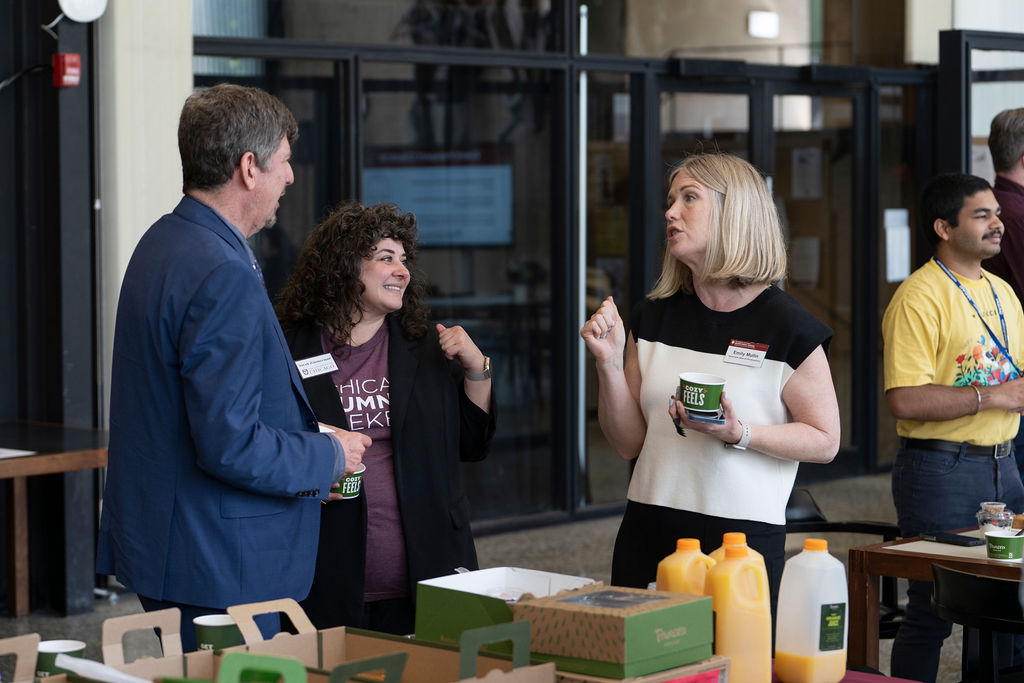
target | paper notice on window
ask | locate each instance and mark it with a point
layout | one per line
(897, 245)
(806, 173)
(14, 453)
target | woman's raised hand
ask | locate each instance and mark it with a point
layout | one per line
(604, 333)
(456, 343)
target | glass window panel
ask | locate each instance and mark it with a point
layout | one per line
(813, 187)
(695, 122)
(700, 29)
(898, 122)
(468, 150)
(307, 87)
(605, 476)
(997, 83)
(528, 25)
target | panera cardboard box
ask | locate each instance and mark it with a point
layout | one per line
(448, 605)
(618, 632)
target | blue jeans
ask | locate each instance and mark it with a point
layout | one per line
(936, 490)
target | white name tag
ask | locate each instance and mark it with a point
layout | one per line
(316, 365)
(746, 353)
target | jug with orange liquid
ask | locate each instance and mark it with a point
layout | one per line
(685, 570)
(738, 586)
(811, 629)
(734, 538)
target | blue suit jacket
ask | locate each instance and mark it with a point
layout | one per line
(216, 467)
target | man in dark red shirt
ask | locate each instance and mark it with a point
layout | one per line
(1006, 143)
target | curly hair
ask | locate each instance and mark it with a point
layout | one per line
(325, 288)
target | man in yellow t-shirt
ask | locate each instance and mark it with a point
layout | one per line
(954, 338)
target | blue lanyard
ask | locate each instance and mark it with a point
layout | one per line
(999, 307)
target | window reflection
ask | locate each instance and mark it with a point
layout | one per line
(468, 150)
(527, 25)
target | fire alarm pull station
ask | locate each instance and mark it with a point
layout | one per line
(67, 69)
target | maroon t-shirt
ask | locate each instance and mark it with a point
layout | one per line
(1009, 262)
(362, 383)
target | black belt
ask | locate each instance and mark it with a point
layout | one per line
(1000, 450)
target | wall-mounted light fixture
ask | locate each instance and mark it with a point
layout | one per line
(763, 24)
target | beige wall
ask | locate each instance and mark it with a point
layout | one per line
(145, 67)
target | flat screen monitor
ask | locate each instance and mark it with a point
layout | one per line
(460, 196)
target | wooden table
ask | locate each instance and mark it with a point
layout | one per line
(867, 564)
(58, 449)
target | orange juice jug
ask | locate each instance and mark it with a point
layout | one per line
(810, 633)
(733, 538)
(684, 570)
(738, 586)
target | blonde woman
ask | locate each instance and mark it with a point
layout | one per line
(716, 296)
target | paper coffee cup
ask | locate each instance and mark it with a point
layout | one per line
(700, 392)
(1004, 545)
(216, 632)
(351, 483)
(48, 651)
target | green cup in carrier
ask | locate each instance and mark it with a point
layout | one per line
(700, 392)
(48, 651)
(216, 632)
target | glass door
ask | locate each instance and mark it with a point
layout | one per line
(814, 191)
(812, 143)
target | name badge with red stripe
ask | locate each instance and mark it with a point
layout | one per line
(746, 353)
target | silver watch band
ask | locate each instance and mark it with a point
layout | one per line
(480, 376)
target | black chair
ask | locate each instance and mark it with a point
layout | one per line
(803, 516)
(985, 603)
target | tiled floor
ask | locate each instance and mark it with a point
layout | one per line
(581, 549)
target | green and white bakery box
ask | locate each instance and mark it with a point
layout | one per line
(617, 632)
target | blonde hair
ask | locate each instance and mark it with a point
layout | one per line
(745, 243)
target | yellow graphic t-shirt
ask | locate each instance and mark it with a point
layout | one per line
(934, 336)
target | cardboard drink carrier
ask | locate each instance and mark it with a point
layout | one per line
(322, 652)
(173, 663)
(328, 656)
(24, 648)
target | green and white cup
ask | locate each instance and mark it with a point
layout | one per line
(351, 483)
(700, 392)
(216, 632)
(1004, 545)
(48, 651)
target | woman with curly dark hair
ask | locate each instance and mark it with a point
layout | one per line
(354, 319)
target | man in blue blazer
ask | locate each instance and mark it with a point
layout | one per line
(216, 464)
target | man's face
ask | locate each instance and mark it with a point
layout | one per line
(272, 183)
(979, 231)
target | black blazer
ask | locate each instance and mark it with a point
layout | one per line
(434, 428)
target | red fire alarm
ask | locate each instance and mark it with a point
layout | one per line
(67, 69)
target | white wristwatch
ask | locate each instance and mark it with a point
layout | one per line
(744, 441)
(480, 376)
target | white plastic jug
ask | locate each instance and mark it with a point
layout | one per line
(811, 625)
